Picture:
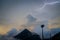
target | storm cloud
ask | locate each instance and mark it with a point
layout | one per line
(14, 12)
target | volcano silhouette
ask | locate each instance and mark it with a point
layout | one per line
(27, 35)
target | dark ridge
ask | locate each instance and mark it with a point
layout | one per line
(56, 37)
(27, 35)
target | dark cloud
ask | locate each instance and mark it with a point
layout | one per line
(30, 18)
(30, 21)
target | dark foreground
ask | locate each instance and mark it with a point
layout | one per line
(27, 35)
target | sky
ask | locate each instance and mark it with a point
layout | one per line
(30, 14)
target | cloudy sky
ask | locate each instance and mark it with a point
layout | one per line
(29, 14)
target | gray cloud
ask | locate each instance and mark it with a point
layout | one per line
(16, 9)
(30, 18)
(12, 7)
(48, 11)
(30, 21)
